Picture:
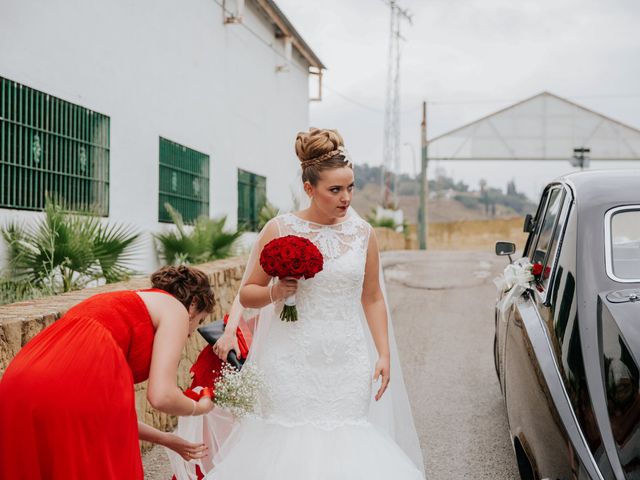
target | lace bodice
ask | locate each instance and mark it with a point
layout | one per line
(318, 368)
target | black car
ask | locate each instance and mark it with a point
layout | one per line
(567, 346)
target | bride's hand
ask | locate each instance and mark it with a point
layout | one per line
(284, 288)
(187, 450)
(383, 369)
(227, 342)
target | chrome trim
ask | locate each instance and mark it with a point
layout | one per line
(608, 248)
(564, 391)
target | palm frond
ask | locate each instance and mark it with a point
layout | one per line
(205, 241)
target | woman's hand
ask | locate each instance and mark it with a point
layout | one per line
(284, 288)
(187, 450)
(383, 369)
(227, 342)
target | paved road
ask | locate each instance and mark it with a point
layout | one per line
(442, 305)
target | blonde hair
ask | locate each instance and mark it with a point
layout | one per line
(318, 150)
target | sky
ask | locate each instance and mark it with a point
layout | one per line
(467, 59)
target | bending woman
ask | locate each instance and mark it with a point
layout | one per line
(67, 404)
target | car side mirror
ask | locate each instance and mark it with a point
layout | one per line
(506, 248)
(529, 224)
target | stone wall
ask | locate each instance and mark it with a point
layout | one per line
(389, 239)
(20, 322)
(476, 234)
(470, 234)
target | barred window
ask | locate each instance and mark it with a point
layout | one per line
(184, 181)
(252, 196)
(51, 147)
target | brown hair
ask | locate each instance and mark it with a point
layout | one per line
(186, 284)
(318, 150)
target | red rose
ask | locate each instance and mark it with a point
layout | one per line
(291, 256)
(536, 269)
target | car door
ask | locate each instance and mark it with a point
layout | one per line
(501, 326)
(533, 418)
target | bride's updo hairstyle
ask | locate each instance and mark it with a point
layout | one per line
(186, 284)
(318, 150)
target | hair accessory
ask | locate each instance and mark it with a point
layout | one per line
(326, 156)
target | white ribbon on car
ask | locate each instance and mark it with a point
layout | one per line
(514, 281)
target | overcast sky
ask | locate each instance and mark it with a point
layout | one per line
(470, 58)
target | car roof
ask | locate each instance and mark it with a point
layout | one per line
(598, 189)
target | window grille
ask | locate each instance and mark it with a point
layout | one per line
(184, 181)
(49, 146)
(252, 196)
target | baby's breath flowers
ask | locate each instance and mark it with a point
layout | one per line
(237, 390)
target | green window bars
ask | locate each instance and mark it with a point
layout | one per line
(51, 147)
(184, 181)
(252, 196)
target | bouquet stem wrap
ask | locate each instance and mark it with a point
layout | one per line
(514, 281)
(289, 311)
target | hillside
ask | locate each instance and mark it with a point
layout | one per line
(448, 200)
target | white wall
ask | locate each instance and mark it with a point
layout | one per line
(165, 68)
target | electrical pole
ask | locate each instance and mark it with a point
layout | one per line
(391, 140)
(424, 185)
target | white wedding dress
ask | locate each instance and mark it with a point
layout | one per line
(314, 417)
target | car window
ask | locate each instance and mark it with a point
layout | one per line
(546, 230)
(533, 236)
(625, 244)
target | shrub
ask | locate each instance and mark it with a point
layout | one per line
(204, 242)
(64, 251)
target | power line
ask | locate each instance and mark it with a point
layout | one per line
(354, 101)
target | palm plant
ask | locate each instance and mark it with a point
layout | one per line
(267, 212)
(64, 252)
(205, 242)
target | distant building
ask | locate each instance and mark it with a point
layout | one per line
(123, 106)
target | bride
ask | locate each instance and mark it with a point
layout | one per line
(335, 406)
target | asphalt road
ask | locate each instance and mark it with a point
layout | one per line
(442, 308)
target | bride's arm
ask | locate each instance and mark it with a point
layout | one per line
(375, 311)
(256, 293)
(253, 294)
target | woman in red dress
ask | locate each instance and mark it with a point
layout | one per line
(67, 405)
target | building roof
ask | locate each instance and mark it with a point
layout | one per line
(285, 28)
(542, 127)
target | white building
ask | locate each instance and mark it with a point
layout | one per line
(127, 105)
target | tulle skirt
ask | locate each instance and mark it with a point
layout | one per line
(260, 450)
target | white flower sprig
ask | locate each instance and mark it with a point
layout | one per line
(238, 390)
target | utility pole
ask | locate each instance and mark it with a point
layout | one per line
(424, 185)
(391, 140)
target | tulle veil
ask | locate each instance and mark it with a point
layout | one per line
(391, 414)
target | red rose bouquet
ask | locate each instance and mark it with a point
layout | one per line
(291, 256)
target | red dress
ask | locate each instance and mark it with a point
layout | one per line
(67, 406)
